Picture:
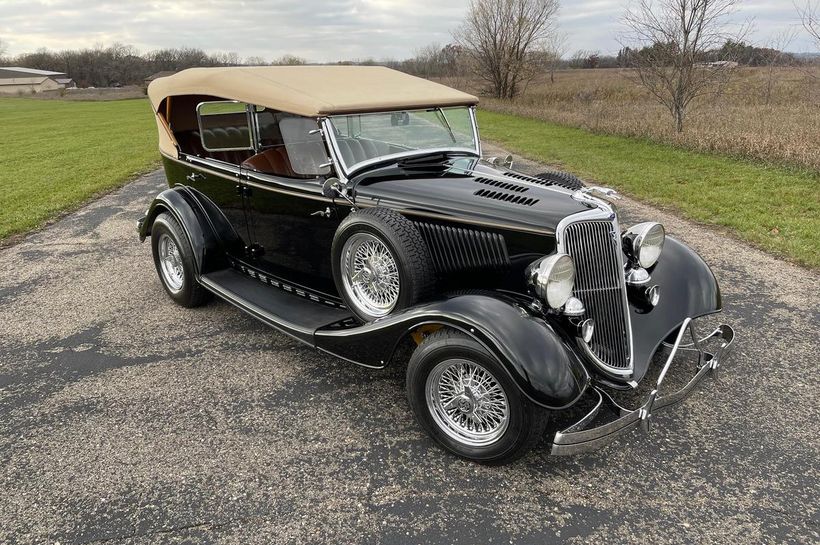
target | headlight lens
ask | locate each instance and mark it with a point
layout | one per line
(646, 242)
(552, 278)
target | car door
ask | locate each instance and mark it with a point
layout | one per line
(291, 223)
(224, 142)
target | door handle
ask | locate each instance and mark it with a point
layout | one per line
(194, 177)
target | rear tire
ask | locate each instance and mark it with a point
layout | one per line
(485, 419)
(174, 261)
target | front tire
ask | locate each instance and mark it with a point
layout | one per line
(466, 401)
(174, 261)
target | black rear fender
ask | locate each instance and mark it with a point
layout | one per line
(208, 231)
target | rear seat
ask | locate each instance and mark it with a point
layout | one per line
(221, 137)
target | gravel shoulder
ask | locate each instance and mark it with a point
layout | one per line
(126, 419)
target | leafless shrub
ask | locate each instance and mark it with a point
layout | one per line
(675, 38)
(501, 37)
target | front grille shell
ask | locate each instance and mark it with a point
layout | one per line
(594, 244)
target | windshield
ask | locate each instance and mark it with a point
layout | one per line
(362, 138)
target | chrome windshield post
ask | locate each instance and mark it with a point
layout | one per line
(336, 159)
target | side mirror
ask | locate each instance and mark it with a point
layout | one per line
(331, 188)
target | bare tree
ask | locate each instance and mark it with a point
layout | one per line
(2, 48)
(675, 37)
(810, 17)
(775, 58)
(555, 50)
(500, 37)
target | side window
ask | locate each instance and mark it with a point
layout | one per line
(304, 145)
(224, 126)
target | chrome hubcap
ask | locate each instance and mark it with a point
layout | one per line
(370, 274)
(170, 261)
(467, 402)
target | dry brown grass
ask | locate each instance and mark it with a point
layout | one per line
(779, 125)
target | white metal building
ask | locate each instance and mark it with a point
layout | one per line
(15, 80)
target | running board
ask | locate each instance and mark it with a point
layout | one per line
(289, 313)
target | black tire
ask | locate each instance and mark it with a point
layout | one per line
(562, 179)
(526, 421)
(415, 267)
(190, 293)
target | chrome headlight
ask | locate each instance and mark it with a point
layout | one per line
(644, 243)
(552, 278)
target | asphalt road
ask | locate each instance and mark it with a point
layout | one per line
(126, 419)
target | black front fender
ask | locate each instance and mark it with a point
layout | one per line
(209, 233)
(540, 361)
(689, 289)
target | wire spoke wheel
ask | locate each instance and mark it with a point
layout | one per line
(370, 274)
(170, 260)
(467, 402)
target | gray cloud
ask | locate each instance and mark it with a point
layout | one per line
(318, 30)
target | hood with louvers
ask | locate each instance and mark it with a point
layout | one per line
(482, 195)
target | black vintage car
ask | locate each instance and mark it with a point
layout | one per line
(350, 208)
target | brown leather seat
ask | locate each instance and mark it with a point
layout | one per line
(271, 161)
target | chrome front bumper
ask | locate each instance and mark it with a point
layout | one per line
(585, 435)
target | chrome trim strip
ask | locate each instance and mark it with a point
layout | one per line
(193, 161)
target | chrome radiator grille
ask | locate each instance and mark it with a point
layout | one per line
(599, 284)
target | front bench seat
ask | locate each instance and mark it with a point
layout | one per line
(271, 161)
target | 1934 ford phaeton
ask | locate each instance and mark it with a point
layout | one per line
(350, 208)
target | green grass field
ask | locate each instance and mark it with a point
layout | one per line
(55, 155)
(776, 208)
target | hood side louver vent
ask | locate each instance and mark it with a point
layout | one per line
(531, 179)
(505, 197)
(455, 249)
(500, 184)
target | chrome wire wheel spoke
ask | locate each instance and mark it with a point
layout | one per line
(370, 274)
(467, 402)
(173, 272)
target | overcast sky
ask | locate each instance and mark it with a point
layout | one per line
(319, 30)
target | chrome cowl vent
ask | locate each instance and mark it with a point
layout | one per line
(595, 246)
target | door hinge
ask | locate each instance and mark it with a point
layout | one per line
(243, 190)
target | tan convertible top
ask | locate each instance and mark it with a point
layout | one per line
(311, 90)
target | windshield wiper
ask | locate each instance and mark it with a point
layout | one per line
(443, 118)
(434, 158)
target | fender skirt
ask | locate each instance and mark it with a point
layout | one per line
(538, 359)
(688, 289)
(209, 232)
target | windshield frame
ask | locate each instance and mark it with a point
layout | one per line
(348, 170)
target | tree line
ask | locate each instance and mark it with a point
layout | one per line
(121, 64)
